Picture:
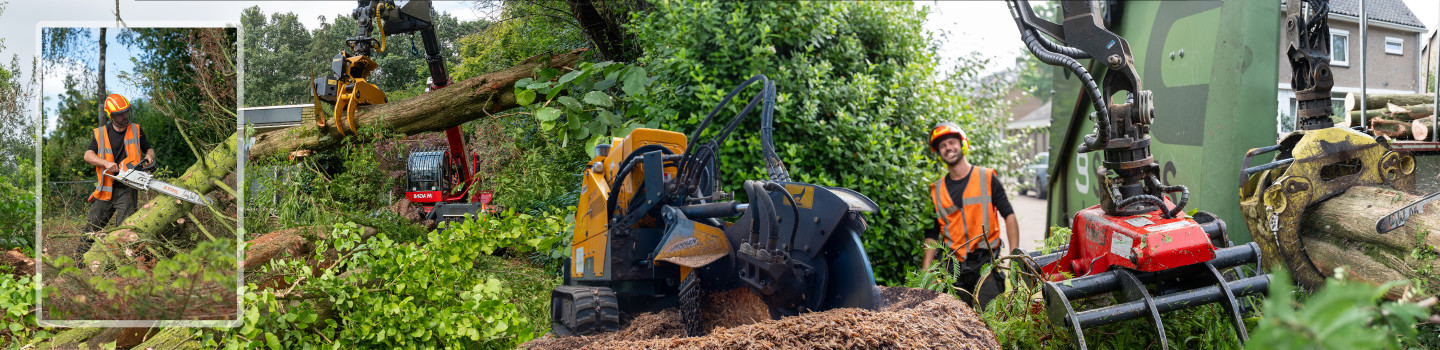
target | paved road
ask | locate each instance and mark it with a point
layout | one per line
(1030, 212)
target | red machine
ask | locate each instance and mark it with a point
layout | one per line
(1147, 242)
(1136, 245)
(442, 181)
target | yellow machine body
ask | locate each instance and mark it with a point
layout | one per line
(591, 247)
(1326, 163)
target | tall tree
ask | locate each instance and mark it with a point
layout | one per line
(15, 94)
(61, 48)
(74, 120)
(276, 60)
(100, 92)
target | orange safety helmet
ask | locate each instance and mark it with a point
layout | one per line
(116, 104)
(949, 129)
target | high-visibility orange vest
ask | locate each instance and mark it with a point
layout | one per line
(103, 184)
(965, 226)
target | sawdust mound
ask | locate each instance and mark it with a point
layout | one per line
(910, 319)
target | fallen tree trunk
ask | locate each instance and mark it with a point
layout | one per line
(162, 211)
(1340, 233)
(437, 110)
(1374, 101)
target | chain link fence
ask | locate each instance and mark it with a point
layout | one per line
(67, 199)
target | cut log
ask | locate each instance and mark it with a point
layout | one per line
(467, 100)
(1390, 128)
(1399, 113)
(154, 216)
(1340, 233)
(1421, 129)
(1375, 101)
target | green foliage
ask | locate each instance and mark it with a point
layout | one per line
(393, 295)
(535, 170)
(17, 319)
(524, 233)
(276, 51)
(65, 145)
(593, 102)
(188, 78)
(1341, 315)
(858, 93)
(528, 28)
(336, 186)
(1034, 75)
(361, 178)
(936, 278)
(17, 208)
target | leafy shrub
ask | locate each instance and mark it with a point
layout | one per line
(380, 293)
(522, 232)
(1341, 315)
(17, 303)
(17, 211)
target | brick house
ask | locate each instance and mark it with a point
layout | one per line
(1392, 53)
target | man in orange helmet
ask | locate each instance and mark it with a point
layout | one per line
(969, 202)
(116, 146)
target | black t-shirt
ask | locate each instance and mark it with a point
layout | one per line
(117, 145)
(998, 199)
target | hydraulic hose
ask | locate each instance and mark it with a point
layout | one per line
(1184, 194)
(773, 165)
(794, 224)
(1148, 199)
(625, 168)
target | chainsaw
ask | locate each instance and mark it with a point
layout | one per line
(141, 179)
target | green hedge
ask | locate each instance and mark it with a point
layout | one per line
(858, 92)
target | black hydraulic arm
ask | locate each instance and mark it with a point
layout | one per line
(413, 16)
(1122, 130)
(1308, 34)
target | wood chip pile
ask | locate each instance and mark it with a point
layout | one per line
(737, 319)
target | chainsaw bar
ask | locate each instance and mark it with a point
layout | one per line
(145, 181)
(1396, 219)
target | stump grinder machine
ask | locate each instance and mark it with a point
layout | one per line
(439, 180)
(652, 232)
(1137, 245)
(1319, 160)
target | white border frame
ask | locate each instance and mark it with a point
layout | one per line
(239, 173)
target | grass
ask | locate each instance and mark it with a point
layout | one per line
(530, 285)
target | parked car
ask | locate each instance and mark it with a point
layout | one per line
(1035, 177)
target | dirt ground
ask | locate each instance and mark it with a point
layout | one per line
(737, 319)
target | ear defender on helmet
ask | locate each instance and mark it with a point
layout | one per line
(948, 129)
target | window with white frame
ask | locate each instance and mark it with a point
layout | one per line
(1394, 45)
(1339, 47)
